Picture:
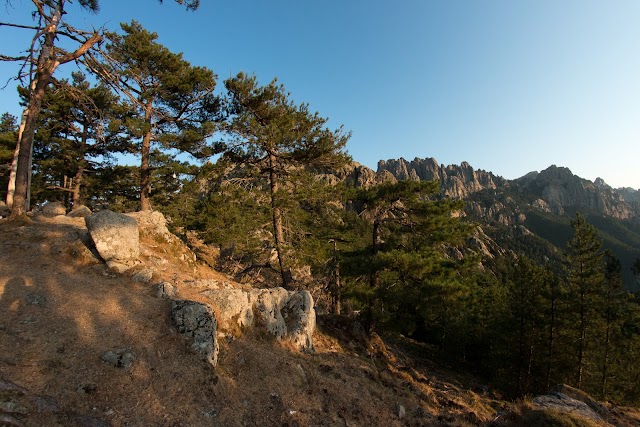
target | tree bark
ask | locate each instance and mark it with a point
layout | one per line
(145, 170)
(336, 294)
(582, 341)
(79, 176)
(11, 188)
(48, 62)
(278, 233)
(23, 170)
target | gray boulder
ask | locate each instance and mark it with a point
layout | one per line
(562, 403)
(268, 310)
(153, 222)
(80, 211)
(51, 209)
(233, 306)
(116, 238)
(198, 323)
(300, 318)
(284, 314)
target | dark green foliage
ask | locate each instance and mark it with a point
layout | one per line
(414, 285)
(173, 104)
(585, 276)
(8, 139)
(274, 138)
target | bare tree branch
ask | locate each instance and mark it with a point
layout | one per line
(28, 27)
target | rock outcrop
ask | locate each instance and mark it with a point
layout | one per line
(560, 189)
(287, 315)
(115, 237)
(197, 322)
(456, 181)
(572, 401)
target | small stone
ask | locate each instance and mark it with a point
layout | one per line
(401, 412)
(166, 290)
(197, 322)
(301, 373)
(212, 413)
(143, 276)
(119, 358)
(87, 388)
(117, 267)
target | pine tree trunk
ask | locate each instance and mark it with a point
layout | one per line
(336, 285)
(605, 365)
(145, 170)
(79, 176)
(46, 66)
(582, 341)
(11, 187)
(375, 247)
(550, 341)
(23, 170)
(278, 233)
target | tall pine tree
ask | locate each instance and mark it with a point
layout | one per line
(175, 107)
(273, 136)
(585, 276)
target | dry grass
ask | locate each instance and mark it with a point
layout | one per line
(60, 309)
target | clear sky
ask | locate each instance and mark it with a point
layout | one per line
(508, 86)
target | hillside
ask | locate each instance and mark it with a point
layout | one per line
(530, 214)
(62, 308)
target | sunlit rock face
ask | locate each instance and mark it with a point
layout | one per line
(456, 181)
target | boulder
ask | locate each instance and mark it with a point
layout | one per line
(116, 238)
(53, 209)
(287, 315)
(80, 211)
(268, 310)
(153, 222)
(562, 403)
(198, 323)
(233, 307)
(300, 318)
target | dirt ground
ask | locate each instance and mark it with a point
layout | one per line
(61, 309)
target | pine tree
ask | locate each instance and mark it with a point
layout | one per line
(78, 128)
(585, 276)
(173, 100)
(612, 313)
(44, 55)
(412, 280)
(273, 136)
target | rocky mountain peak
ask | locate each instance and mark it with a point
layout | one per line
(599, 182)
(559, 188)
(456, 181)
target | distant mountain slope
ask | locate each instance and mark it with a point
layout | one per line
(531, 214)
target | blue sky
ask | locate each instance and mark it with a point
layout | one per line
(509, 86)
